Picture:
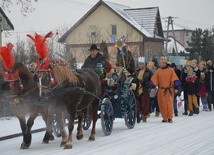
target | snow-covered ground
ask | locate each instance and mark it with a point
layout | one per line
(186, 135)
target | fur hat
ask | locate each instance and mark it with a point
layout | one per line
(202, 63)
(189, 63)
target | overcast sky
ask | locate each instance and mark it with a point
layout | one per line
(50, 15)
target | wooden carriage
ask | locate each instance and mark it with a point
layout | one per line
(118, 101)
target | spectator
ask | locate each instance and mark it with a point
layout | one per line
(209, 79)
(153, 95)
(178, 73)
(142, 79)
(192, 88)
(203, 92)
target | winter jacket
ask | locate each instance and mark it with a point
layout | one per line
(93, 64)
(191, 85)
(202, 88)
(209, 79)
(144, 81)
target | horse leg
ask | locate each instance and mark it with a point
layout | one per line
(71, 118)
(60, 120)
(94, 108)
(22, 121)
(26, 129)
(79, 127)
(47, 116)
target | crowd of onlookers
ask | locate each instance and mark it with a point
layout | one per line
(196, 86)
(197, 78)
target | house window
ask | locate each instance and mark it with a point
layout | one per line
(93, 29)
(114, 30)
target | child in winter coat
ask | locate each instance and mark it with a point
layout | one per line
(203, 92)
(192, 88)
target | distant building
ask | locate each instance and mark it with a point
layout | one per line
(106, 21)
(5, 24)
(182, 35)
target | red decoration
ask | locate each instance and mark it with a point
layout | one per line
(57, 32)
(40, 44)
(11, 76)
(43, 65)
(7, 56)
(191, 79)
(52, 81)
(21, 87)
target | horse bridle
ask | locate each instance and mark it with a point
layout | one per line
(39, 73)
(11, 78)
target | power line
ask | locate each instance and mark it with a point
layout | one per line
(73, 4)
(187, 24)
(196, 22)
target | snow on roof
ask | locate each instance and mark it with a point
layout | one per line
(145, 17)
(177, 25)
(121, 10)
(171, 45)
(130, 15)
(6, 23)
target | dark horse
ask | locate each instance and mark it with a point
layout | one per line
(21, 85)
(73, 91)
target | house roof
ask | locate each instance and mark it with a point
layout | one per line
(132, 16)
(145, 17)
(6, 24)
(120, 10)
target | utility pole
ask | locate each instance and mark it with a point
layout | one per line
(170, 22)
(1, 31)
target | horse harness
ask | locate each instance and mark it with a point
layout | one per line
(11, 77)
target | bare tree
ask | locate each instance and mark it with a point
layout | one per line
(20, 51)
(26, 5)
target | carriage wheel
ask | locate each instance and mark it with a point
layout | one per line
(131, 110)
(86, 122)
(107, 116)
(56, 127)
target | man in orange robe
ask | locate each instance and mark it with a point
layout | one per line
(166, 80)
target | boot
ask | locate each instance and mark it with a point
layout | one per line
(185, 113)
(143, 117)
(157, 113)
(190, 113)
(196, 110)
(170, 120)
(138, 118)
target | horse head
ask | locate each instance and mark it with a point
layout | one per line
(51, 74)
(18, 81)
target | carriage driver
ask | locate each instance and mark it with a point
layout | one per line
(97, 62)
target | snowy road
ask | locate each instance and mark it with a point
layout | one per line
(186, 135)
